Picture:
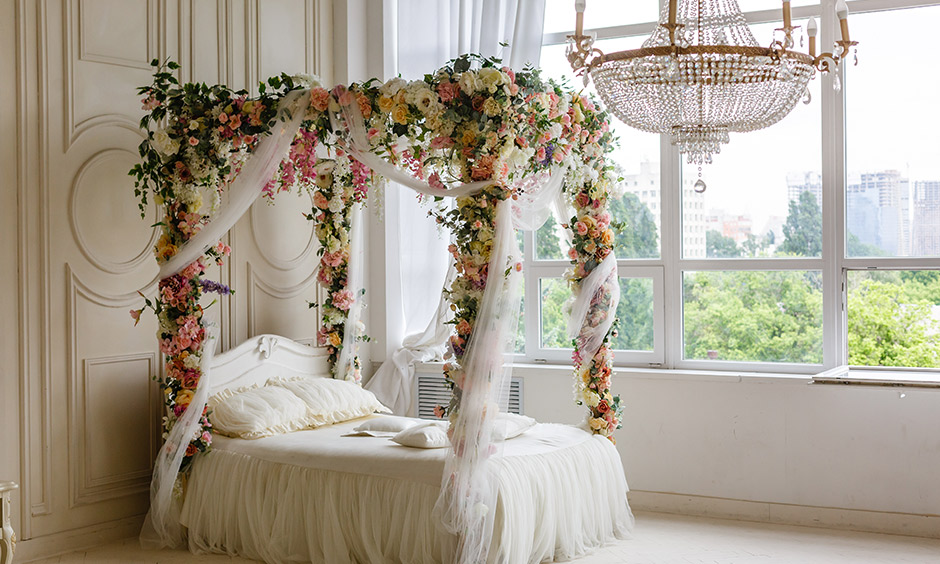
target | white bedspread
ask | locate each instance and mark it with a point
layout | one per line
(316, 496)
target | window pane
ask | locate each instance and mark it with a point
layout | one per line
(520, 328)
(549, 241)
(634, 315)
(560, 14)
(892, 141)
(756, 316)
(763, 191)
(553, 320)
(638, 213)
(894, 318)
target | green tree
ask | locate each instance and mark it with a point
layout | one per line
(635, 314)
(855, 247)
(546, 241)
(554, 320)
(802, 232)
(634, 227)
(773, 316)
(720, 246)
(887, 329)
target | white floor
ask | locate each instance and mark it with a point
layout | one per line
(658, 539)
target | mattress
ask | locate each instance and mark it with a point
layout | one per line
(318, 496)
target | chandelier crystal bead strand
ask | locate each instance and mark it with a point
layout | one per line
(701, 74)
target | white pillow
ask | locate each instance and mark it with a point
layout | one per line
(330, 401)
(384, 426)
(254, 412)
(510, 425)
(425, 435)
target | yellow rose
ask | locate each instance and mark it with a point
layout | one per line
(184, 397)
(400, 114)
(468, 137)
(386, 104)
(335, 340)
(597, 423)
(608, 237)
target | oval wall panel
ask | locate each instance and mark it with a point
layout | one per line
(104, 215)
(281, 232)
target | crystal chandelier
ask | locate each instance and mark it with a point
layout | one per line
(701, 74)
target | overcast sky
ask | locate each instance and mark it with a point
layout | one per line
(889, 124)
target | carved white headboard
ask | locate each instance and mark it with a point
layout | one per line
(263, 357)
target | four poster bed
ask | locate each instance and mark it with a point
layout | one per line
(509, 149)
(321, 496)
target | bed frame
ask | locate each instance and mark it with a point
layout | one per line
(266, 356)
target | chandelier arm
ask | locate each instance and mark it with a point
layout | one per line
(664, 50)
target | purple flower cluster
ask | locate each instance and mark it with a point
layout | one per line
(214, 287)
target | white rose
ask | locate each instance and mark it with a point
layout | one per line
(467, 83)
(491, 79)
(306, 80)
(337, 204)
(164, 144)
(392, 87)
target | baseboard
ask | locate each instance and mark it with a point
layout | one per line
(77, 539)
(787, 514)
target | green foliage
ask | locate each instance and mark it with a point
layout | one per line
(720, 246)
(802, 233)
(773, 316)
(635, 316)
(635, 227)
(887, 328)
(554, 292)
(855, 248)
(546, 241)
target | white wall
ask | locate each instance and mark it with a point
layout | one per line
(79, 413)
(778, 441)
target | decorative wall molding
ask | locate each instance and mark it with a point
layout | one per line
(105, 263)
(84, 487)
(75, 50)
(86, 52)
(267, 253)
(255, 283)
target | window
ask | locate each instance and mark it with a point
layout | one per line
(788, 261)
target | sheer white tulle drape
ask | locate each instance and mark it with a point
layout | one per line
(162, 525)
(247, 186)
(595, 307)
(345, 365)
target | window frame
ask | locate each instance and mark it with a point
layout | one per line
(833, 261)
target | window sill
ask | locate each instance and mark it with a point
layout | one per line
(840, 375)
(533, 369)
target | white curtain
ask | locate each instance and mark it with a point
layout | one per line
(430, 33)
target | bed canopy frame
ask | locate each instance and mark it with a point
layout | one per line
(507, 146)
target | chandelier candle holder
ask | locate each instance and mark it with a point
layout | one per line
(701, 74)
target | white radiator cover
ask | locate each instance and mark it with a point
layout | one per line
(433, 390)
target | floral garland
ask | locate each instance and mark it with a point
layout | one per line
(460, 124)
(197, 139)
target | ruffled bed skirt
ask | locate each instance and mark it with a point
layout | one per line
(553, 506)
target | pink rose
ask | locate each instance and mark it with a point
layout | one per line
(319, 99)
(447, 91)
(320, 201)
(193, 141)
(581, 228)
(343, 300)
